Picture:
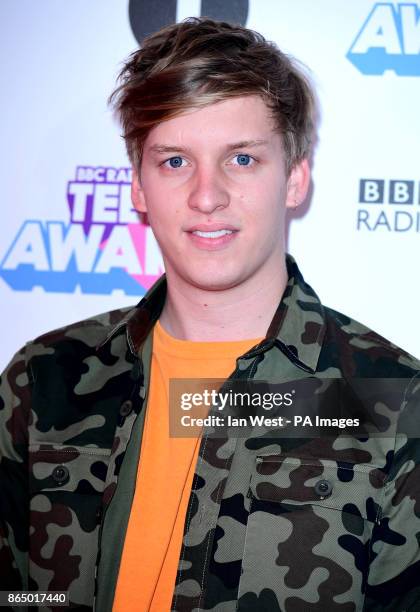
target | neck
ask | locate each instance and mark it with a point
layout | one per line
(237, 313)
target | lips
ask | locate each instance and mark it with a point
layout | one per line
(211, 228)
(215, 234)
(212, 236)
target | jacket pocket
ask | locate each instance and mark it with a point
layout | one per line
(66, 486)
(308, 534)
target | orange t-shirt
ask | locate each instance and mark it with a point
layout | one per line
(166, 468)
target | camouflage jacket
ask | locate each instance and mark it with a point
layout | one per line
(258, 534)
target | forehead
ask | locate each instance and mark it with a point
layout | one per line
(245, 118)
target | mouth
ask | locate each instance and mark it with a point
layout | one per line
(212, 238)
(214, 234)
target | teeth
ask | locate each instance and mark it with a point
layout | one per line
(217, 234)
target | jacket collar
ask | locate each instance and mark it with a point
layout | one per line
(297, 328)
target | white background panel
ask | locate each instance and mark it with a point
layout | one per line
(60, 60)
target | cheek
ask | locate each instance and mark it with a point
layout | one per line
(155, 200)
(264, 207)
(164, 218)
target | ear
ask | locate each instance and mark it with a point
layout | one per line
(298, 184)
(137, 194)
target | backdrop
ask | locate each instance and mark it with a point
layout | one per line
(70, 244)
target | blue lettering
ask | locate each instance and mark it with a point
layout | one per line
(388, 40)
(59, 258)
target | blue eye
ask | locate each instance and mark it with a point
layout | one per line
(175, 162)
(243, 159)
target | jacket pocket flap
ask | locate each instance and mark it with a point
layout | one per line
(354, 488)
(69, 468)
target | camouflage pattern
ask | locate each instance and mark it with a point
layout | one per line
(258, 535)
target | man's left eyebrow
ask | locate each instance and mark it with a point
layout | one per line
(246, 144)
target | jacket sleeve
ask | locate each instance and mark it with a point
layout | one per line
(395, 560)
(14, 414)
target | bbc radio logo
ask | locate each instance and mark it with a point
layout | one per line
(388, 205)
(389, 39)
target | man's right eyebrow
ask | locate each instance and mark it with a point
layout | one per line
(161, 148)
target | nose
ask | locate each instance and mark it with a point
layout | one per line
(208, 192)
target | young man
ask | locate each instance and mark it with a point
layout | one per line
(96, 498)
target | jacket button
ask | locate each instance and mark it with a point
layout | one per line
(98, 515)
(126, 407)
(323, 488)
(61, 474)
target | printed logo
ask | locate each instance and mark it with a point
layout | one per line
(148, 16)
(388, 40)
(103, 248)
(388, 205)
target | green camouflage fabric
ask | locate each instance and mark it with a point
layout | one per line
(257, 534)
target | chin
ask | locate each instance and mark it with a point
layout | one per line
(214, 282)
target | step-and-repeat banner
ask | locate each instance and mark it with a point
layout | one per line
(70, 243)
